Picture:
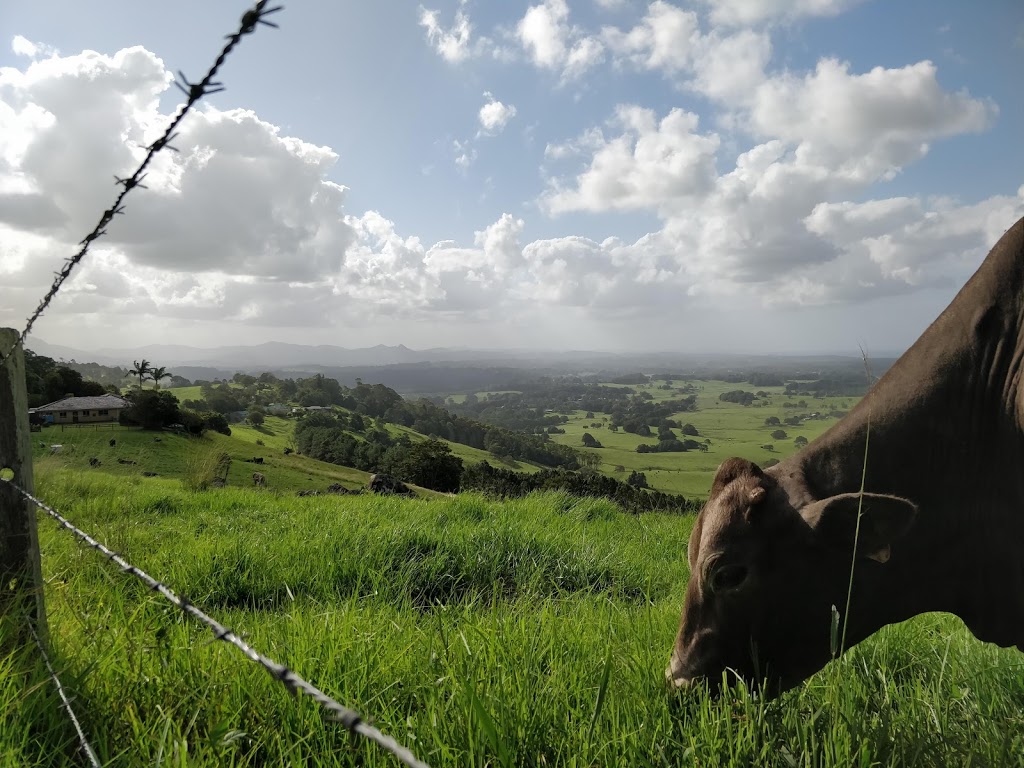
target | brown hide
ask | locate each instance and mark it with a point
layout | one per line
(939, 444)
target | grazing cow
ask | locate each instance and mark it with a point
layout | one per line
(258, 478)
(257, 459)
(113, 442)
(939, 445)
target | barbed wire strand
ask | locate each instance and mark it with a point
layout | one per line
(290, 679)
(193, 92)
(82, 741)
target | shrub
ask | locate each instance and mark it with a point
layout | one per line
(217, 422)
(193, 422)
(202, 467)
(429, 464)
(151, 409)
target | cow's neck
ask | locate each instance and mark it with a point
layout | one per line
(944, 429)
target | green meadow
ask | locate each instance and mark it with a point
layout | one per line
(532, 632)
(476, 632)
(734, 430)
(177, 456)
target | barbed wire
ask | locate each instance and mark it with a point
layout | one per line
(193, 93)
(83, 742)
(287, 677)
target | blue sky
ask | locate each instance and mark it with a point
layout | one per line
(746, 175)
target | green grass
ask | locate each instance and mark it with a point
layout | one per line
(734, 430)
(478, 633)
(468, 454)
(172, 456)
(186, 393)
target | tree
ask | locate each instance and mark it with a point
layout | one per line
(779, 434)
(150, 409)
(772, 421)
(141, 369)
(60, 382)
(637, 479)
(689, 429)
(217, 422)
(429, 464)
(256, 417)
(158, 375)
(590, 441)
(799, 441)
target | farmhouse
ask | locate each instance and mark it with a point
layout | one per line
(83, 410)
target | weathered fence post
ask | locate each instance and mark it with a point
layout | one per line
(21, 578)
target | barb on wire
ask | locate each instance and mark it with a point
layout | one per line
(83, 742)
(193, 91)
(290, 679)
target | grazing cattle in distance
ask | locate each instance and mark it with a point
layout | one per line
(939, 443)
(257, 459)
(258, 478)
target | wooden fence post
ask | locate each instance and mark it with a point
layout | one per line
(21, 578)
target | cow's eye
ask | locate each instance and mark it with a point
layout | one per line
(728, 577)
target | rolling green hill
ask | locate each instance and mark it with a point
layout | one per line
(734, 430)
(529, 632)
(176, 457)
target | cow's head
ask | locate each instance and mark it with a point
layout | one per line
(767, 564)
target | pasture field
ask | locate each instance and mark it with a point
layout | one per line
(185, 393)
(177, 456)
(734, 430)
(467, 453)
(533, 632)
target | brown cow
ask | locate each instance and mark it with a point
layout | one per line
(258, 478)
(939, 443)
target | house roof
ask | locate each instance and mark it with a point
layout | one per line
(101, 402)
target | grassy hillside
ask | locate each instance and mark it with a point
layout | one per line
(479, 633)
(468, 454)
(173, 456)
(734, 430)
(186, 393)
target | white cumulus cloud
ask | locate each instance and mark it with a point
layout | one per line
(494, 115)
(750, 12)
(652, 164)
(452, 44)
(552, 43)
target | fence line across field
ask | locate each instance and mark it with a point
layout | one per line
(287, 677)
(16, 423)
(83, 742)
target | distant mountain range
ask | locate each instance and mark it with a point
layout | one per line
(279, 356)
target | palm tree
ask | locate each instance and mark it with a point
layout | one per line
(141, 369)
(157, 375)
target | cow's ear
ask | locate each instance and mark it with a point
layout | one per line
(735, 469)
(883, 519)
